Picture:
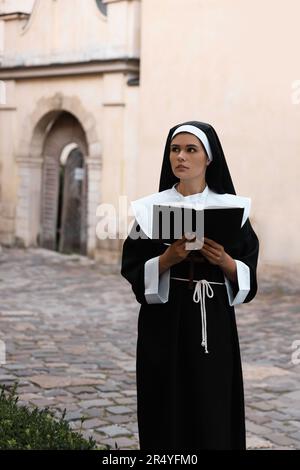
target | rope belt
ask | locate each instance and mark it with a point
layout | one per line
(202, 288)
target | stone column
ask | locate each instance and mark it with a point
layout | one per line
(94, 168)
(28, 201)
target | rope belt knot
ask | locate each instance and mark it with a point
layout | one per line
(202, 288)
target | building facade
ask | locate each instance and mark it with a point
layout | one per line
(71, 73)
(93, 87)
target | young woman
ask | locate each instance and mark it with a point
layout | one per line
(188, 366)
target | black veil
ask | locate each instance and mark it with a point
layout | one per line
(217, 173)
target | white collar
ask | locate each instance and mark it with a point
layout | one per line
(142, 208)
(180, 196)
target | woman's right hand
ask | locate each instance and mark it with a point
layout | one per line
(175, 253)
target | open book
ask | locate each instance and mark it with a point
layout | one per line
(219, 223)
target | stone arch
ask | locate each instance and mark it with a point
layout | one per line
(66, 152)
(30, 156)
(45, 113)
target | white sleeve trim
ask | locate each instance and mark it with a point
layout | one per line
(156, 286)
(243, 275)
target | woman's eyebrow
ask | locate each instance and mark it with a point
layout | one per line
(188, 145)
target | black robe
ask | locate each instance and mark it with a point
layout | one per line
(187, 399)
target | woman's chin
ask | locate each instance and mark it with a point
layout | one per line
(182, 174)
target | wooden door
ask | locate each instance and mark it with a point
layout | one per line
(72, 211)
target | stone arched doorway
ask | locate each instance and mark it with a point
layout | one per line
(58, 125)
(63, 212)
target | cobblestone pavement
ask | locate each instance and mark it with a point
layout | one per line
(70, 334)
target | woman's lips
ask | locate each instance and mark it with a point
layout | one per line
(181, 168)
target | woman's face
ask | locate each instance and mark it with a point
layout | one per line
(187, 150)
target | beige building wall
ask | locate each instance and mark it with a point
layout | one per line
(68, 57)
(231, 64)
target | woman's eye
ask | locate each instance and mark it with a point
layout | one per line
(175, 149)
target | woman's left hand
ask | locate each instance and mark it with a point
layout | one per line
(214, 252)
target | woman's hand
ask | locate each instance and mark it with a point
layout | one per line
(175, 253)
(215, 254)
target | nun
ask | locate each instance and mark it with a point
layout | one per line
(189, 378)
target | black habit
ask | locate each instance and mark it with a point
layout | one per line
(187, 399)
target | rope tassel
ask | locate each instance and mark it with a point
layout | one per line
(202, 289)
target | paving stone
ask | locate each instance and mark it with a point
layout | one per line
(264, 406)
(129, 393)
(117, 419)
(255, 442)
(256, 428)
(265, 396)
(19, 366)
(80, 390)
(28, 396)
(257, 416)
(48, 381)
(133, 427)
(112, 395)
(57, 393)
(64, 400)
(66, 406)
(276, 415)
(74, 415)
(99, 439)
(87, 396)
(55, 365)
(281, 439)
(110, 442)
(42, 402)
(109, 386)
(118, 409)
(7, 378)
(291, 412)
(296, 424)
(70, 332)
(94, 403)
(114, 430)
(125, 401)
(281, 427)
(94, 412)
(295, 435)
(87, 433)
(291, 396)
(92, 423)
(124, 443)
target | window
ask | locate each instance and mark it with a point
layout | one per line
(102, 6)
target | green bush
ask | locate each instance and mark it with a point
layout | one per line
(22, 428)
